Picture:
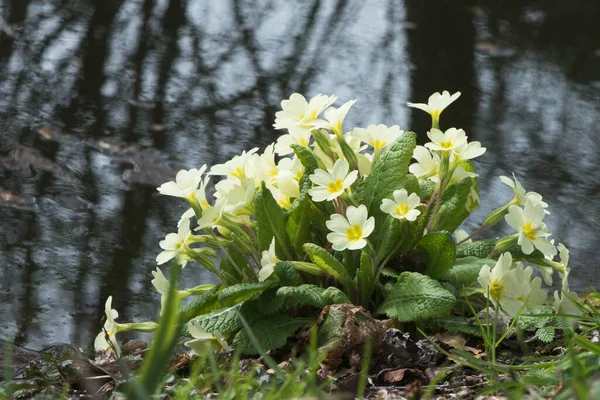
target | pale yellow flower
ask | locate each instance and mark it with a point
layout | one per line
(531, 230)
(331, 184)
(350, 232)
(436, 103)
(403, 206)
(185, 184)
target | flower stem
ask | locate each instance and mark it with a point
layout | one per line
(473, 234)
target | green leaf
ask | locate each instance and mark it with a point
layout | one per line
(458, 202)
(390, 272)
(440, 252)
(483, 248)
(478, 248)
(466, 270)
(328, 263)
(271, 221)
(389, 173)
(454, 325)
(334, 295)
(535, 318)
(271, 331)
(416, 297)
(427, 188)
(223, 321)
(309, 295)
(268, 302)
(235, 268)
(298, 223)
(365, 279)
(201, 304)
(546, 334)
(308, 268)
(390, 238)
(235, 294)
(397, 237)
(331, 329)
(308, 160)
(300, 214)
(537, 257)
(287, 274)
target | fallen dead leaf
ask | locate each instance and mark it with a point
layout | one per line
(398, 375)
(458, 342)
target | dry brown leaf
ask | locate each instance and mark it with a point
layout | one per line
(397, 375)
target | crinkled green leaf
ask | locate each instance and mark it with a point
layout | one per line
(537, 257)
(307, 159)
(223, 321)
(416, 297)
(328, 263)
(309, 295)
(390, 272)
(483, 248)
(389, 173)
(235, 294)
(268, 302)
(439, 250)
(466, 270)
(334, 295)
(478, 248)
(271, 222)
(201, 304)
(271, 331)
(534, 318)
(287, 274)
(427, 188)
(546, 334)
(458, 202)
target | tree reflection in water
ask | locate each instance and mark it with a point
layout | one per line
(103, 100)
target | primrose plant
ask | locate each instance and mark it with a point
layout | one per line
(329, 214)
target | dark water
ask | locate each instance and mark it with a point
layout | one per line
(101, 101)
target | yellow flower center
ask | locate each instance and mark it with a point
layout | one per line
(204, 204)
(435, 113)
(354, 233)
(496, 289)
(303, 142)
(529, 231)
(239, 172)
(446, 145)
(402, 209)
(274, 172)
(337, 128)
(336, 186)
(378, 144)
(284, 202)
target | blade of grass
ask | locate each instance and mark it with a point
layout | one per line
(364, 374)
(157, 360)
